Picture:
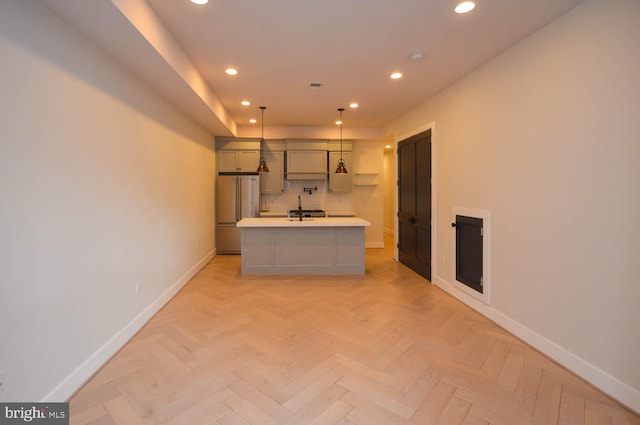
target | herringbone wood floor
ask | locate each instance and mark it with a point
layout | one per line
(384, 348)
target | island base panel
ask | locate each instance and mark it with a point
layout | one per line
(331, 251)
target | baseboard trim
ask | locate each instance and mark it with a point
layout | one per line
(610, 385)
(374, 245)
(89, 367)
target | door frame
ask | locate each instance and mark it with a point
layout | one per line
(397, 139)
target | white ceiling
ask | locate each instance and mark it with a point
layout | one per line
(350, 46)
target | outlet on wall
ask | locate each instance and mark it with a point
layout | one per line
(137, 288)
(2, 384)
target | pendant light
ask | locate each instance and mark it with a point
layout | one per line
(262, 168)
(341, 168)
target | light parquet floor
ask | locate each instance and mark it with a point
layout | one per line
(386, 348)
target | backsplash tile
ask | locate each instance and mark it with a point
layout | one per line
(318, 200)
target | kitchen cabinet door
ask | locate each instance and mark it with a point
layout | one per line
(248, 160)
(273, 181)
(340, 182)
(238, 160)
(227, 161)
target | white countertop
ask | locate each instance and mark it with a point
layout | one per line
(306, 222)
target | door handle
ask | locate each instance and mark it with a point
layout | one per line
(412, 219)
(238, 199)
(453, 224)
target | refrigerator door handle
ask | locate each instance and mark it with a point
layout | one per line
(238, 199)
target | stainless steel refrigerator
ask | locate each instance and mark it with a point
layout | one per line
(238, 196)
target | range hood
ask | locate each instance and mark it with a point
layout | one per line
(307, 161)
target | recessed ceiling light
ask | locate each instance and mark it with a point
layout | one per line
(245, 103)
(252, 121)
(396, 75)
(200, 1)
(231, 71)
(353, 105)
(465, 6)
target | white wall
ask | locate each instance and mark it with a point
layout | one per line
(368, 200)
(546, 136)
(102, 184)
(389, 189)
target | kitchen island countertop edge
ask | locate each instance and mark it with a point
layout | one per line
(306, 222)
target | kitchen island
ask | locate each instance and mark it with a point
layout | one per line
(328, 246)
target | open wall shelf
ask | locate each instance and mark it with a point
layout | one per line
(365, 179)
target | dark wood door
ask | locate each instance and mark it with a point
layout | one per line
(414, 203)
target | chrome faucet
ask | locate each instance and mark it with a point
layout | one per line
(300, 207)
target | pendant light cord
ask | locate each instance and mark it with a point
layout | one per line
(262, 168)
(341, 111)
(341, 168)
(262, 108)
(340, 134)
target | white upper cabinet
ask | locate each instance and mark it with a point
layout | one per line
(237, 154)
(232, 160)
(248, 160)
(273, 181)
(273, 153)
